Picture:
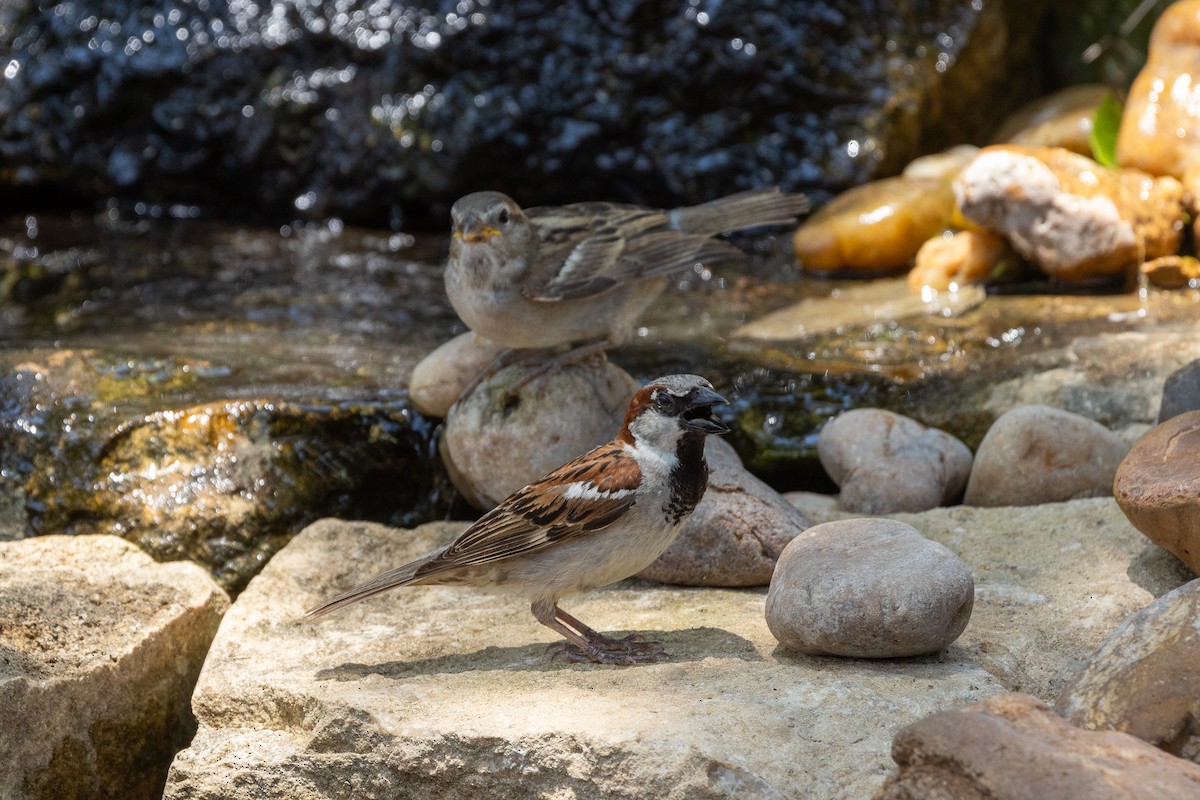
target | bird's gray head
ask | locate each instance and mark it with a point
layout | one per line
(671, 408)
(483, 216)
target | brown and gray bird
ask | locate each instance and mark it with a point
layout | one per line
(582, 273)
(596, 520)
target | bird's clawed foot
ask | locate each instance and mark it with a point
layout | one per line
(631, 649)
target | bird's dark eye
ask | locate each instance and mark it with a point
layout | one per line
(502, 217)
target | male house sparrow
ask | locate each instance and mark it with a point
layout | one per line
(582, 273)
(597, 519)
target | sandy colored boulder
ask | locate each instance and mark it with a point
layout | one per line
(1072, 217)
(1037, 454)
(868, 588)
(1013, 747)
(492, 447)
(886, 462)
(1158, 486)
(735, 536)
(1144, 680)
(439, 378)
(99, 649)
(449, 692)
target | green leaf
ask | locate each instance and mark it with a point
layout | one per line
(1105, 124)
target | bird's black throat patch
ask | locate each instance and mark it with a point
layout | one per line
(688, 479)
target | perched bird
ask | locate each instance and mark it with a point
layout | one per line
(581, 274)
(597, 519)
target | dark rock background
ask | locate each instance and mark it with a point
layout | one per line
(384, 113)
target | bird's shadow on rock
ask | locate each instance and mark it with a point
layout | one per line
(681, 646)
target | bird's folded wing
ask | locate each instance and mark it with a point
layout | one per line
(581, 497)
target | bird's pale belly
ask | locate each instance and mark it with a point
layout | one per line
(513, 320)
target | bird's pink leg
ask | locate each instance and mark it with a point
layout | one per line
(587, 644)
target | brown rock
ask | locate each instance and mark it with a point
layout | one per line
(966, 257)
(886, 462)
(1144, 680)
(492, 447)
(1012, 747)
(1037, 454)
(1160, 127)
(100, 647)
(877, 227)
(1158, 487)
(1072, 217)
(736, 534)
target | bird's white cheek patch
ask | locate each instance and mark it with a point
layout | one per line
(588, 491)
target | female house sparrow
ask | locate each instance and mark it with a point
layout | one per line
(582, 273)
(597, 519)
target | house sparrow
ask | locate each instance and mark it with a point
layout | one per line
(582, 273)
(597, 519)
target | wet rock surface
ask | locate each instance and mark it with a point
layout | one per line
(1143, 679)
(1158, 486)
(99, 650)
(1013, 746)
(360, 111)
(868, 588)
(1038, 454)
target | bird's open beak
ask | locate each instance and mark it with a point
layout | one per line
(699, 416)
(473, 231)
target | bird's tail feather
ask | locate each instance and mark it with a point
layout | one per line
(751, 209)
(406, 575)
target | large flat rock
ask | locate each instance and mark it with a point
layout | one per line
(447, 692)
(99, 649)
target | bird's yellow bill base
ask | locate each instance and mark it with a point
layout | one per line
(476, 236)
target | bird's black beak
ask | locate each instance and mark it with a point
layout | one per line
(699, 417)
(473, 230)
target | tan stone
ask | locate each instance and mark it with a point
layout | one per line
(1160, 128)
(99, 649)
(1072, 217)
(1013, 747)
(962, 258)
(874, 228)
(1144, 680)
(1158, 486)
(1171, 272)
